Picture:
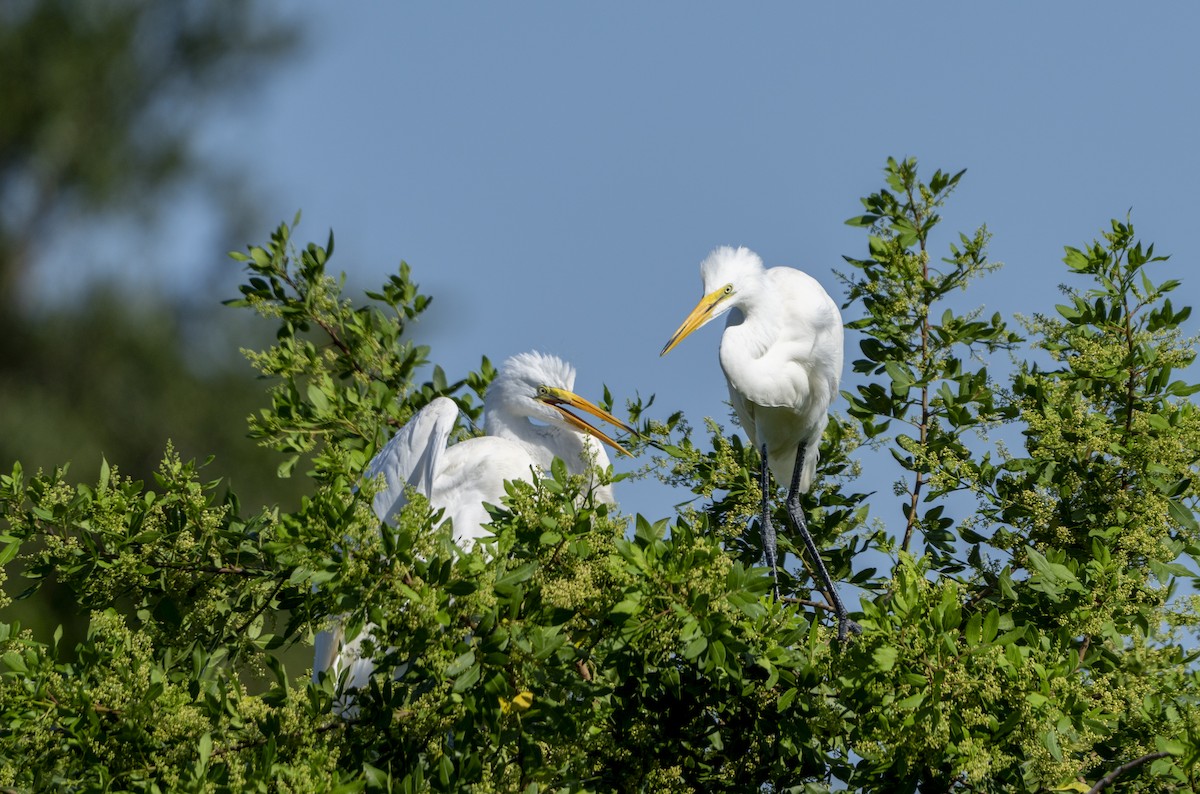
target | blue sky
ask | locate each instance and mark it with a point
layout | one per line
(555, 172)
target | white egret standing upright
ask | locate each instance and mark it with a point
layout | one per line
(782, 356)
(527, 424)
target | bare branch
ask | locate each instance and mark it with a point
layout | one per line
(1108, 779)
(806, 603)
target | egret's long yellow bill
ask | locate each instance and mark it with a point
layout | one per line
(699, 316)
(559, 398)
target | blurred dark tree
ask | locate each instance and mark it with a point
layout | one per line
(100, 104)
(111, 379)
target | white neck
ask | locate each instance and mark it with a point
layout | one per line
(546, 442)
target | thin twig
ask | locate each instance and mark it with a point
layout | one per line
(1107, 780)
(806, 603)
(918, 218)
(330, 330)
(250, 744)
(262, 607)
(235, 570)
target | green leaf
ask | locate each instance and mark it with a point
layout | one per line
(1168, 744)
(973, 633)
(9, 551)
(1182, 515)
(1006, 584)
(376, 777)
(461, 587)
(991, 624)
(1050, 742)
(626, 607)
(516, 576)
(884, 657)
(287, 467)
(693, 649)
(460, 664)
(205, 750)
(15, 662)
(317, 397)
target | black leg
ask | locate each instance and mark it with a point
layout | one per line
(845, 624)
(768, 529)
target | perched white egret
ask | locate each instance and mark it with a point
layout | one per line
(527, 424)
(782, 356)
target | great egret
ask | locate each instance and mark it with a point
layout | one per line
(782, 356)
(527, 425)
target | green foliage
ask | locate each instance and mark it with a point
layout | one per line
(565, 654)
(919, 353)
(336, 393)
(139, 704)
(1036, 642)
(111, 380)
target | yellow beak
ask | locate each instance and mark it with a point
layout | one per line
(560, 398)
(699, 316)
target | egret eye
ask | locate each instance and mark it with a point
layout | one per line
(543, 391)
(728, 289)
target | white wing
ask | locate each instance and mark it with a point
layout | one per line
(325, 649)
(411, 457)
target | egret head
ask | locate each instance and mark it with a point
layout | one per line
(538, 387)
(729, 275)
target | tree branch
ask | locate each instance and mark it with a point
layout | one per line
(262, 607)
(1108, 779)
(235, 570)
(918, 218)
(806, 603)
